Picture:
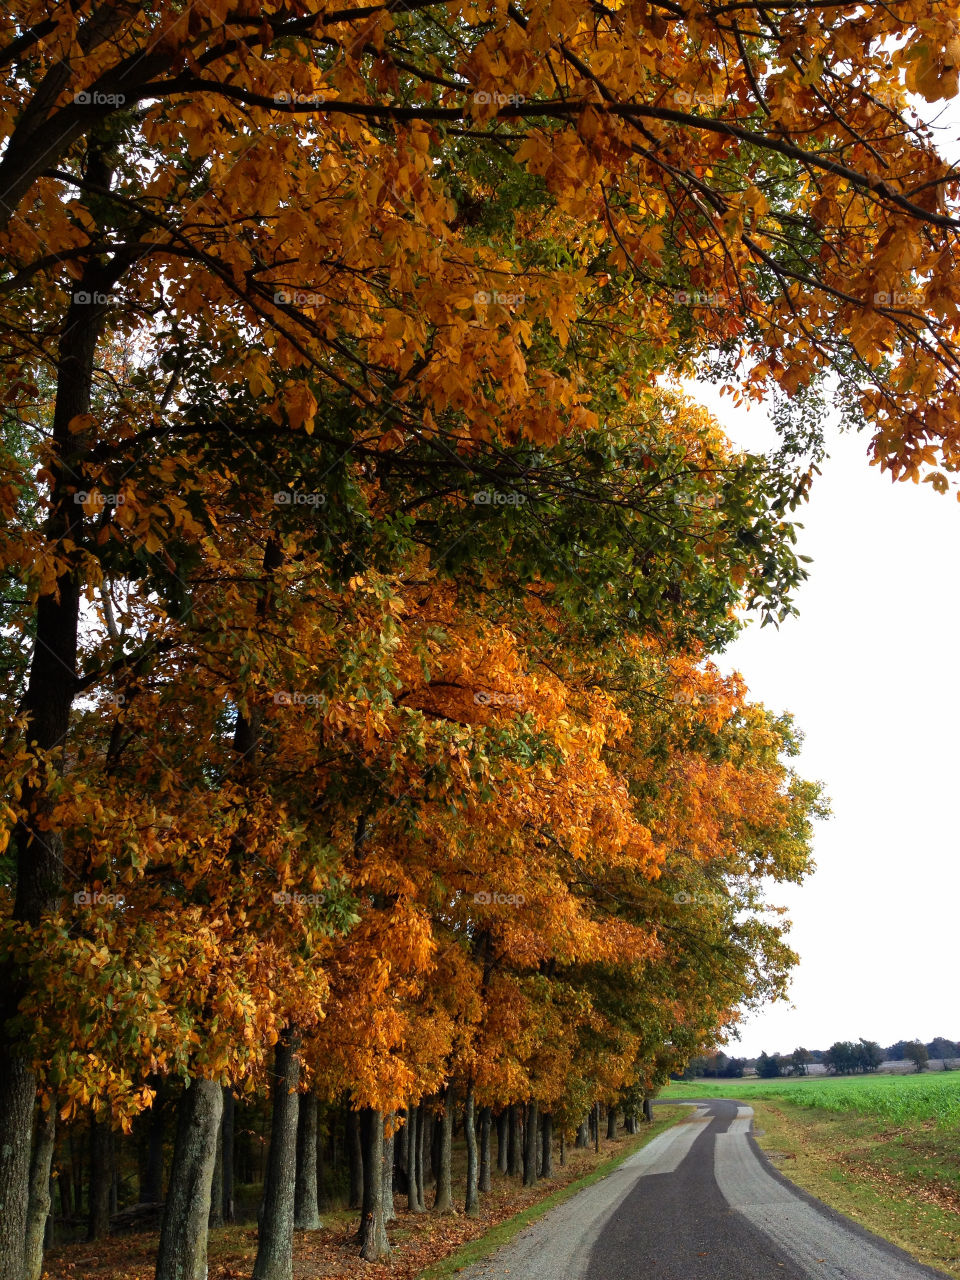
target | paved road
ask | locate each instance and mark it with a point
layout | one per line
(699, 1202)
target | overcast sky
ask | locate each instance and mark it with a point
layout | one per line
(867, 671)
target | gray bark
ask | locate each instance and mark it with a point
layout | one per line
(546, 1164)
(513, 1142)
(414, 1200)
(531, 1136)
(503, 1126)
(421, 1139)
(38, 1210)
(374, 1243)
(182, 1252)
(612, 1123)
(275, 1236)
(486, 1116)
(443, 1199)
(472, 1203)
(583, 1136)
(306, 1213)
(389, 1144)
(216, 1183)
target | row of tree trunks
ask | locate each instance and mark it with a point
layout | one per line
(201, 1175)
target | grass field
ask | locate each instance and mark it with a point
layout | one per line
(932, 1098)
(885, 1150)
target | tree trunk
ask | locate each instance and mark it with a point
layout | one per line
(436, 1140)
(227, 1131)
(389, 1146)
(101, 1178)
(596, 1127)
(611, 1123)
(421, 1140)
(355, 1156)
(513, 1143)
(472, 1202)
(216, 1182)
(647, 1111)
(275, 1235)
(47, 703)
(414, 1203)
(503, 1127)
(582, 1140)
(182, 1252)
(531, 1133)
(443, 1199)
(306, 1211)
(374, 1244)
(486, 1115)
(44, 1140)
(546, 1164)
(563, 1148)
(323, 1199)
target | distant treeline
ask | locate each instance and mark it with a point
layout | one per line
(844, 1057)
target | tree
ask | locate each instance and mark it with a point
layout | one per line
(941, 1047)
(869, 1055)
(915, 1051)
(769, 1066)
(800, 1059)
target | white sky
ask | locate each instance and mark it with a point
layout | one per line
(867, 672)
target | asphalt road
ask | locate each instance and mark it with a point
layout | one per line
(699, 1202)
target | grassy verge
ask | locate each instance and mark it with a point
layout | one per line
(503, 1232)
(901, 1183)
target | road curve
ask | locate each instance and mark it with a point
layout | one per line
(699, 1202)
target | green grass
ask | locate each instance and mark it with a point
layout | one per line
(475, 1250)
(932, 1098)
